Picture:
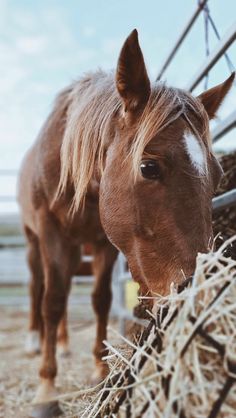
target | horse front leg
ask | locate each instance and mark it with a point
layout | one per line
(104, 257)
(63, 337)
(63, 347)
(36, 287)
(56, 261)
(53, 309)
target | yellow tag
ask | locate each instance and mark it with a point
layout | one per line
(131, 294)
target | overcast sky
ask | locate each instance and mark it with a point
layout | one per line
(46, 44)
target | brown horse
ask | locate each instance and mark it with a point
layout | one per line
(122, 164)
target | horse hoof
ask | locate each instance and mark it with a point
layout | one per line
(46, 410)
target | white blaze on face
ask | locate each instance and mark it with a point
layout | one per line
(195, 153)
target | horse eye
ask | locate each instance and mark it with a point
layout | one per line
(150, 169)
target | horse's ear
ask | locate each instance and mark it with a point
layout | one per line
(132, 81)
(212, 99)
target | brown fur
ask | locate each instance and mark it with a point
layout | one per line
(87, 158)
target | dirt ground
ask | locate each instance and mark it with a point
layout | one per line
(19, 374)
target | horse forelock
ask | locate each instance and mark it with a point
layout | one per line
(93, 103)
(165, 106)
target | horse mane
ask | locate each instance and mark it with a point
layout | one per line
(94, 101)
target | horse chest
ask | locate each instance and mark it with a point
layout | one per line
(86, 227)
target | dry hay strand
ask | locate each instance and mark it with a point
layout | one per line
(184, 365)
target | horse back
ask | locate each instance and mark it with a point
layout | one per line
(40, 171)
(40, 174)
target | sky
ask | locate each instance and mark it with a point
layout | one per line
(46, 44)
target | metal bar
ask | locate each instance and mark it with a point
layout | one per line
(8, 172)
(181, 38)
(125, 277)
(224, 127)
(121, 291)
(12, 241)
(224, 201)
(7, 199)
(13, 220)
(210, 61)
(83, 279)
(87, 258)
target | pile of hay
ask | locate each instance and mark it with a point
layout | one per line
(184, 364)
